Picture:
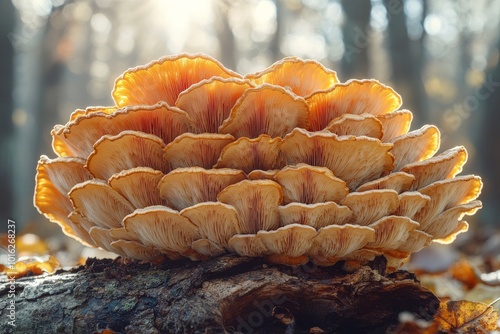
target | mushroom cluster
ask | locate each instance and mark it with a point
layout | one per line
(195, 161)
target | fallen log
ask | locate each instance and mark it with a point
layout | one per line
(228, 294)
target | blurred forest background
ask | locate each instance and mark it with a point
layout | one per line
(442, 56)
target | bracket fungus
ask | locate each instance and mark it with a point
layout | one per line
(195, 160)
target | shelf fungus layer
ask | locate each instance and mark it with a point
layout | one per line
(290, 164)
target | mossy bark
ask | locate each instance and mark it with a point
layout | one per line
(225, 295)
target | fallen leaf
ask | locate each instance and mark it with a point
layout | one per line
(32, 266)
(466, 317)
(463, 272)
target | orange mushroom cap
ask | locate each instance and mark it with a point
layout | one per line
(353, 97)
(266, 109)
(127, 150)
(209, 102)
(371, 205)
(356, 125)
(256, 203)
(162, 228)
(138, 185)
(355, 160)
(336, 242)
(317, 215)
(249, 154)
(196, 150)
(165, 78)
(184, 187)
(77, 138)
(54, 179)
(99, 203)
(302, 77)
(309, 184)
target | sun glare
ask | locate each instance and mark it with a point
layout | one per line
(183, 21)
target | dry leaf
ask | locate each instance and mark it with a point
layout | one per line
(463, 272)
(32, 266)
(466, 317)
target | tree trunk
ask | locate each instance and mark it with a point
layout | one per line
(228, 294)
(356, 31)
(406, 62)
(487, 143)
(7, 21)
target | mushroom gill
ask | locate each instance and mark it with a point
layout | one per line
(195, 161)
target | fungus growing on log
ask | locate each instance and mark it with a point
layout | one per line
(195, 161)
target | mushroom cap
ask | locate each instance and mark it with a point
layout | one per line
(96, 201)
(89, 110)
(102, 238)
(79, 228)
(207, 248)
(355, 160)
(336, 242)
(399, 181)
(265, 109)
(371, 205)
(128, 149)
(162, 228)
(353, 97)
(209, 102)
(448, 223)
(256, 203)
(184, 187)
(443, 166)
(415, 241)
(138, 185)
(395, 124)
(302, 77)
(288, 244)
(248, 245)
(415, 146)
(310, 184)
(215, 221)
(249, 154)
(391, 232)
(136, 250)
(165, 78)
(356, 125)
(446, 194)
(121, 233)
(410, 202)
(196, 150)
(317, 215)
(285, 245)
(259, 174)
(54, 179)
(77, 138)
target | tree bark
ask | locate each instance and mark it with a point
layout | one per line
(356, 33)
(7, 22)
(406, 62)
(228, 294)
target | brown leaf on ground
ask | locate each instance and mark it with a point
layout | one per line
(32, 266)
(466, 317)
(463, 272)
